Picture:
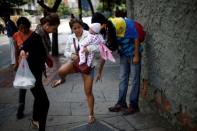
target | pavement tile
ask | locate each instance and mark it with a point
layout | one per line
(111, 95)
(68, 106)
(5, 111)
(13, 124)
(101, 108)
(156, 129)
(60, 108)
(8, 95)
(66, 120)
(118, 122)
(145, 120)
(6, 77)
(97, 126)
(79, 108)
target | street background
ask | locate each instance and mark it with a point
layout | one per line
(68, 108)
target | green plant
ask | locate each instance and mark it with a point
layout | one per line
(86, 13)
(25, 13)
(99, 7)
(63, 10)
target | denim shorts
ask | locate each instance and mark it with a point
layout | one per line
(91, 74)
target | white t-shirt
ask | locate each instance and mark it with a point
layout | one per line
(69, 49)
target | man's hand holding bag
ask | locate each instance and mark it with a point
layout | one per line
(24, 78)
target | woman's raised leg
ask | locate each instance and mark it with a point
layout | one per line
(64, 70)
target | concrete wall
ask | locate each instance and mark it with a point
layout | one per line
(170, 50)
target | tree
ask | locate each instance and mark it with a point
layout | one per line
(91, 6)
(14, 3)
(52, 9)
(63, 10)
(112, 6)
(47, 8)
(80, 7)
(6, 5)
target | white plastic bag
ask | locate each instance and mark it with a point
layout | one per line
(24, 78)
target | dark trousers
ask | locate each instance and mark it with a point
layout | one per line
(41, 105)
(22, 94)
(21, 107)
(41, 102)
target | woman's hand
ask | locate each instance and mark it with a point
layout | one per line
(49, 61)
(23, 55)
(85, 50)
(74, 56)
(99, 74)
(99, 77)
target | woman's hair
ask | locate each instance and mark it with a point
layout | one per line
(73, 21)
(111, 36)
(23, 21)
(52, 19)
(98, 18)
(110, 33)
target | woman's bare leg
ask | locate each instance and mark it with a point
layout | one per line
(88, 84)
(64, 70)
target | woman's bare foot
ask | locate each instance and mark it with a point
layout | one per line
(91, 119)
(57, 83)
(34, 124)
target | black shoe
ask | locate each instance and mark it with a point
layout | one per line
(20, 111)
(117, 108)
(130, 111)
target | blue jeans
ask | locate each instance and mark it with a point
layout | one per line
(127, 67)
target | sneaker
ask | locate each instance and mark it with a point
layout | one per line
(117, 108)
(130, 111)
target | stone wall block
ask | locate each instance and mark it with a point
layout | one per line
(171, 51)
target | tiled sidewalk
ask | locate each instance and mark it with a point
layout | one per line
(68, 107)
